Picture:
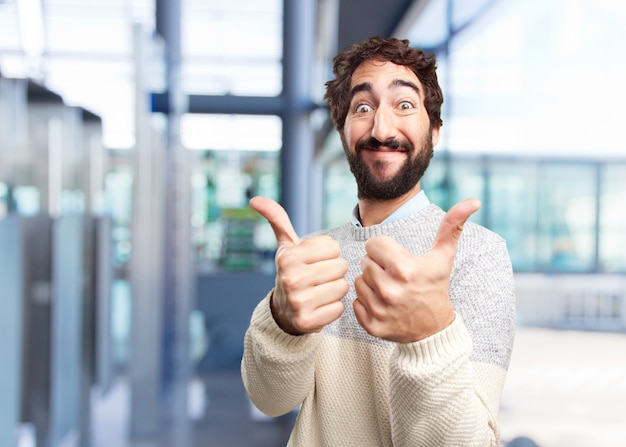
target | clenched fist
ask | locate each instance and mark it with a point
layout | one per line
(402, 297)
(310, 279)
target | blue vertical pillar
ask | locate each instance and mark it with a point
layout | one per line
(12, 280)
(145, 274)
(298, 138)
(177, 268)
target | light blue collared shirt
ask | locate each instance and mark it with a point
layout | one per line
(417, 203)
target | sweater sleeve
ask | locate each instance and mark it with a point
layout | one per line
(445, 406)
(445, 390)
(277, 368)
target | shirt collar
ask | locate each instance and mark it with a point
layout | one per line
(415, 204)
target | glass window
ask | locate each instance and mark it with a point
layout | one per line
(340, 194)
(4, 200)
(512, 209)
(119, 196)
(566, 216)
(431, 28)
(231, 132)
(545, 211)
(226, 232)
(450, 179)
(232, 48)
(612, 237)
(515, 76)
(467, 179)
(436, 180)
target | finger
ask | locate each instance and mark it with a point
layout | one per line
(320, 317)
(328, 270)
(361, 304)
(452, 224)
(318, 248)
(384, 251)
(314, 274)
(278, 219)
(330, 292)
(329, 313)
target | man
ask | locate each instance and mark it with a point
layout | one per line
(395, 329)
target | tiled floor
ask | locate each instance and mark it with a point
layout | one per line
(222, 417)
(564, 389)
(230, 421)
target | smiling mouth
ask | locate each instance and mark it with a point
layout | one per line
(385, 149)
(374, 145)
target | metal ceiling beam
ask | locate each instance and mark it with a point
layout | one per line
(360, 19)
(229, 104)
(298, 138)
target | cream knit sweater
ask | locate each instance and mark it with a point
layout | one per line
(357, 390)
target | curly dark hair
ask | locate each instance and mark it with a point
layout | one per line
(382, 49)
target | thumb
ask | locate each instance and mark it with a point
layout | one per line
(278, 219)
(451, 226)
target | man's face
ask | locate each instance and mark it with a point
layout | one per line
(387, 136)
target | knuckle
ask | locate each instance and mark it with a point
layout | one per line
(330, 245)
(344, 286)
(284, 257)
(305, 323)
(343, 266)
(387, 296)
(334, 247)
(376, 313)
(288, 282)
(403, 272)
(292, 281)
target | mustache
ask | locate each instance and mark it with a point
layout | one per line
(393, 144)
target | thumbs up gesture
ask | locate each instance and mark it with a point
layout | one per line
(309, 275)
(402, 297)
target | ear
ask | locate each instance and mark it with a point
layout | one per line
(436, 131)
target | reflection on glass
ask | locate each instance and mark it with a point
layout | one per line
(226, 233)
(567, 217)
(612, 237)
(26, 200)
(564, 216)
(512, 209)
(339, 194)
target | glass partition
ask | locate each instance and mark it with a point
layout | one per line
(512, 209)
(567, 217)
(226, 233)
(612, 234)
(556, 216)
(340, 194)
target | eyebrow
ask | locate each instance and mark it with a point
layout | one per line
(362, 87)
(396, 83)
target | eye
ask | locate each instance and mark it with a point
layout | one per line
(362, 108)
(405, 105)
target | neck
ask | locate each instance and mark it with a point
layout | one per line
(373, 212)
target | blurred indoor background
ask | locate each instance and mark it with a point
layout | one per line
(132, 134)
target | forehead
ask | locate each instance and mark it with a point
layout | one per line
(382, 73)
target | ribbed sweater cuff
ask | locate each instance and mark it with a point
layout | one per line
(264, 319)
(450, 342)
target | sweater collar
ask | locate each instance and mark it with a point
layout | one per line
(417, 203)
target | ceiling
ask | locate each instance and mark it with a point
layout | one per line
(83, 49)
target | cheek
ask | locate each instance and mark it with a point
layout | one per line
(350, 140)
(416, 131)
(353, 132)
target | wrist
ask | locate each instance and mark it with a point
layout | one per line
(279, 317)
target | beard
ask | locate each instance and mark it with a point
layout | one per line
(370, 187)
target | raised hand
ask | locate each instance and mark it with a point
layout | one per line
(402, 297)
(309, 275)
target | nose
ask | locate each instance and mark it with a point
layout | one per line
(384, 127)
